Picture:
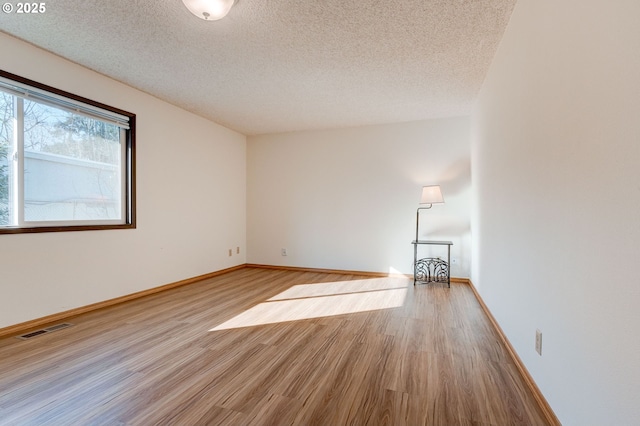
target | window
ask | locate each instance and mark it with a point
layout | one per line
(66, 163)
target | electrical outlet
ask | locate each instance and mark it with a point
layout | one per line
(284, 251)
(539, 342)
(230, 252)
(237, 250)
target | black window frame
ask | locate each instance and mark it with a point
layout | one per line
(129, 163)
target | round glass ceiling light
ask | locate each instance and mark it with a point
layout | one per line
(209, 10)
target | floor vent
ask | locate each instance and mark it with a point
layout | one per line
(44, 331)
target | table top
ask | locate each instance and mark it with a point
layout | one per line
(431, 242)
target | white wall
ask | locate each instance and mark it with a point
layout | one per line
(556, 178)
(347, 198)
(191, 182)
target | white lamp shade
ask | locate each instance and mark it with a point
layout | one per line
(431, 195)
(209, 10)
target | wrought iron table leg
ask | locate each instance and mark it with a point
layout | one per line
(449, 266)
(415, 263)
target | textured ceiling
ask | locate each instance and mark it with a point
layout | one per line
(284, 65)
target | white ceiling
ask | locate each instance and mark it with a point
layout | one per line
(284, 65)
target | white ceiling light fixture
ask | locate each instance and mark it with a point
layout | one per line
(209, 10)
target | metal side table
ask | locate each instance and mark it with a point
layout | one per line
(431, 269)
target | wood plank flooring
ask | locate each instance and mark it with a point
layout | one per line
(270, 347)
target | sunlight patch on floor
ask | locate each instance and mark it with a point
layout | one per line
(340, 287)
(308, 301)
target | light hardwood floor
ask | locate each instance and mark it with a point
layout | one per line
(270, 347)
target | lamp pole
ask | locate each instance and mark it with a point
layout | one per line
(418, 218)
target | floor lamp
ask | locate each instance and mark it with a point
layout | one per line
(431, 195)
(430, 269)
